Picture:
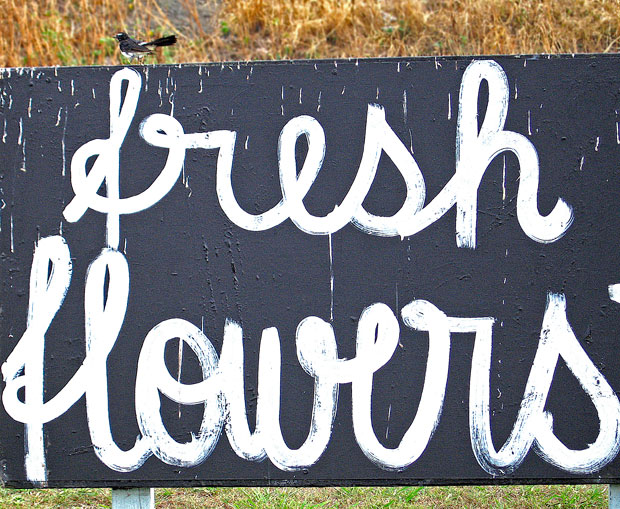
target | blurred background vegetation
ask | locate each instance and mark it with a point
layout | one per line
(79, 32)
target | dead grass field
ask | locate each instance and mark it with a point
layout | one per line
(78, 32)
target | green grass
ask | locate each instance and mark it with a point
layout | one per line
(558, 496)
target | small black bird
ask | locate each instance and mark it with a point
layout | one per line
(130, 48)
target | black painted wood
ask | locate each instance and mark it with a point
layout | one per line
(189, 260)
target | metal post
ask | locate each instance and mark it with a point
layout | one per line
(614, 496)
(133, 498)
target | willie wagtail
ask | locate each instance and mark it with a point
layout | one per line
(130, 48)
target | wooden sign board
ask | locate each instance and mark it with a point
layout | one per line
(391, 271)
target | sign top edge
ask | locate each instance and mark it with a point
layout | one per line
(443, 58)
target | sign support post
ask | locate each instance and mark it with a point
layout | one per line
(133, 498)
(614, 496)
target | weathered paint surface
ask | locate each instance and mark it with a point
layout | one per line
(374, 271)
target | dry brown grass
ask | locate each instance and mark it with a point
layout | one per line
(339, 28)
(70, 32)
(49, 32)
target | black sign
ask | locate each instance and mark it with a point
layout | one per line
(334, 272)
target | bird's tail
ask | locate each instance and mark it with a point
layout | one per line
(169, 40)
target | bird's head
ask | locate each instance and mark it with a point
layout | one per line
(121, 36)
